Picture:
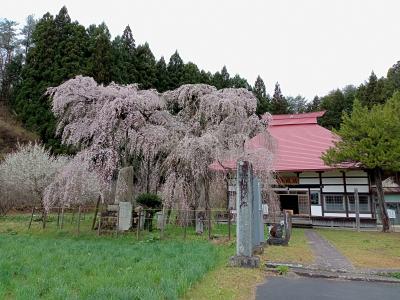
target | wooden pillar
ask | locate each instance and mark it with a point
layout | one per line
(309, 199)
(346, 198)
(371, 197)
(357, 209)
(321, 191)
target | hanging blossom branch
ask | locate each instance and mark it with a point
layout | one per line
(176, 135)
(73, 185)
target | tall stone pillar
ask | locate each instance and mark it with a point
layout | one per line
(244, 220)
(124, 198)
(124, 186)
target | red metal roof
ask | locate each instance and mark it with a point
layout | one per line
(300, 142)
(296, 119)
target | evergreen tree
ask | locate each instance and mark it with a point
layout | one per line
(191, 73)
(392, 83)
(124, 58)
(100, 53)
(296, 105)
(279, 104)
(9, 46)
(162, 75)
(206, 77)
(221, 79)
(239, 82)
(372, 92)
(175, 70)
(146, 67)
(57, 53)
(314, 105)
(12, 78)
(27, 32)
(128, 40)
(263, 104)
(335, 103)
(371, 137)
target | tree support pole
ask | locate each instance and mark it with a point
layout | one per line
(96, 212)
(30, 221)
(79, 219)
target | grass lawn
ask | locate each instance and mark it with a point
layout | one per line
(55, 264)
(34, 267)
(227, 283)
(366, 249)
(298, 250)
(59, 264)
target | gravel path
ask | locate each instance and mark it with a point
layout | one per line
(326, 255)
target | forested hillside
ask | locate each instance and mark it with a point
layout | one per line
(52, 49)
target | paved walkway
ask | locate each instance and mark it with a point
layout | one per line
(326, 255)
(281, 288)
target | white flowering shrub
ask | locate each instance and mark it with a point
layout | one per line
(25, 174)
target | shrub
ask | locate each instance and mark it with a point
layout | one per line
(282, 270)
(149, 200)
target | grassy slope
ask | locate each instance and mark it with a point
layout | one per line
(33, 267)
(11, 132)
(367, 249)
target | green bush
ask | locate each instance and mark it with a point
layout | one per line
(396, 275)
(152, 202)
(149, 200)
(282, 270)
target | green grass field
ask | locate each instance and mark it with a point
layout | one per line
(62, 264)
(367, 249)
(55, 264)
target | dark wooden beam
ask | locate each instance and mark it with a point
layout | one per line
(321, 193)
(346, 204)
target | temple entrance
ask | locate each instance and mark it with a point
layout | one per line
(289, 202)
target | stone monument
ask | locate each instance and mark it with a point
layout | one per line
(248, 228)
(124, 198)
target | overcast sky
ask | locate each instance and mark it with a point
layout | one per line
(309, 46)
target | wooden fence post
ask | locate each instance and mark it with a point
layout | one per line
(58, 216)
(117, 222)
(229, 224)
(62, 218)
(209, 224)
(162, 223)
(99, 226)
(79, 219)
(138, 224)
(96, 212)
(73, 215)
(185, 225)
(44, 214)
(30, 221)
(357, 209)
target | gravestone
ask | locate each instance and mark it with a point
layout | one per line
(161, 220)
(124, 186)
(248, 229)
(200, 218)
(125, 216)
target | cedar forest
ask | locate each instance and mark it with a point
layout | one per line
(53, 49)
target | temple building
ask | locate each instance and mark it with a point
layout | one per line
(316, 193)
